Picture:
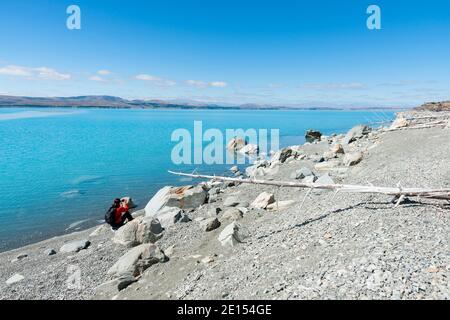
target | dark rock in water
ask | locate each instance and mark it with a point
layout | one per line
(313, 135)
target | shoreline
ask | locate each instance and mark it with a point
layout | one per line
(361, 243)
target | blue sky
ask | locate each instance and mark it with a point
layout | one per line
(315, 53)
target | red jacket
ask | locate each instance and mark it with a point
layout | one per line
(119, 212)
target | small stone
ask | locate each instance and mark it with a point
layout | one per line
(351, 159)
(50, 252)
(75, 246)
(19, 257)
(210, 224)
(234, 169)
(231, 202)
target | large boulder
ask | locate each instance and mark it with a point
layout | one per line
(233, 234)
(313, 135)
(351, 159)
(356, 133)
(140, 230)
(263, 200)
(137, 260)
(157, 202)
(168, 216)
(75, 246)
(187, 197)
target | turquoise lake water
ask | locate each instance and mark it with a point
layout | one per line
(59, 167)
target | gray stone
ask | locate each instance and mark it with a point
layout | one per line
(233, 234)
(316, 158)
(233, 214)
(20, 257)
(263, 200)
(187, 197)
(137, 260)
(302, 173)
(351, 159)
(14, 279)
(75, 246)
(210, 224)
(231, 201)
(234, 169)
(140, 230)
(114, 286)
(356, 133)
(50, 252)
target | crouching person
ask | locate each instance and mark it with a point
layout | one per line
(118, 214)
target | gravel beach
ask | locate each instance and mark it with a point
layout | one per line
(291, 244)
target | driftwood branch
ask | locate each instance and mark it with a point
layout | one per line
(443, 194)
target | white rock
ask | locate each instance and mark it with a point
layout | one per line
(351, 159)
(233, 234)
(157, 202)
(281, 205)
(137, 260)
(210, 224)
(263, 200)
(75, 246)
(14, 279)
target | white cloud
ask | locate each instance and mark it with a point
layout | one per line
(156, 80)
(104, 72)
(16, 71)
(51, 74)
(97, 79)
(204, 84)
(333, 86)
(43, 73)
(146, 77)
(218, 84)
(196, 83)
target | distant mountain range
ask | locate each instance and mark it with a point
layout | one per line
(117, 102)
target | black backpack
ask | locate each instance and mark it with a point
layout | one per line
(110, 216)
